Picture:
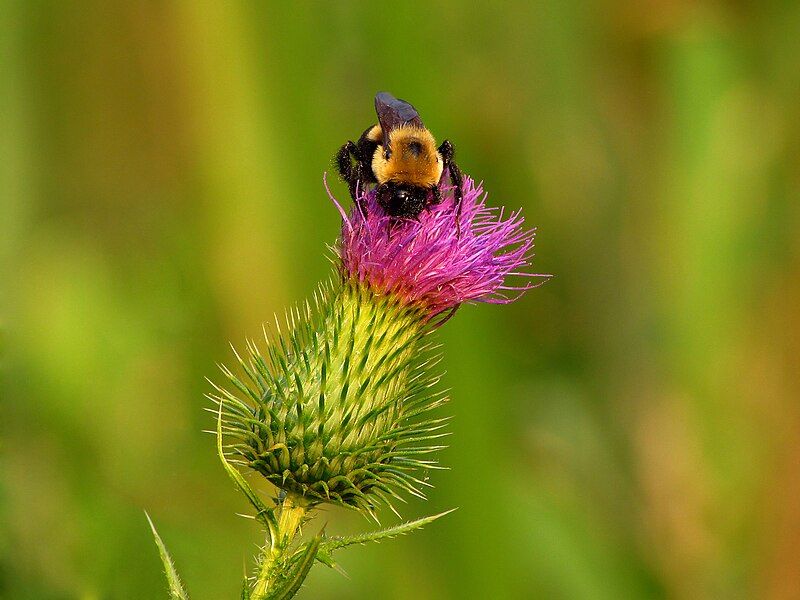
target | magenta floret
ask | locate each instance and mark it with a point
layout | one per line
(434, 261)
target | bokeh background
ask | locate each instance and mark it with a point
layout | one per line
(630, 430)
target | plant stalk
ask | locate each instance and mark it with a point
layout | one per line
(291, 515)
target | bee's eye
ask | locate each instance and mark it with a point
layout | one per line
(387, 155)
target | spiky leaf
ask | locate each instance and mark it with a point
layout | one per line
(176, 590)
(263, 513)
(335, 543)
(298, 570)
(245, 595)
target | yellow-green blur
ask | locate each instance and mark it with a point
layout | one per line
(629, 430)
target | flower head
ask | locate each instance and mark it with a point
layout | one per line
(444, 257)
(336, 409)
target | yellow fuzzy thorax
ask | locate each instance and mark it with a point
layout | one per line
(423, 169)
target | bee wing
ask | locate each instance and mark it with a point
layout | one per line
(394, 113)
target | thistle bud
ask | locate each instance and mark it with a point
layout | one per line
(336, 405)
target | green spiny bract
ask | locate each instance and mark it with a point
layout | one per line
(335, 409)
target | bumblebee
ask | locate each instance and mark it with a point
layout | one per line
(400, 157)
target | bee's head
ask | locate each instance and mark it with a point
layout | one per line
(402, 199)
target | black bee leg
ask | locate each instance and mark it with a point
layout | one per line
(455, 179)
(448, 152)
(442, 320)
(437, 195)
(366, 150)
(347, 170)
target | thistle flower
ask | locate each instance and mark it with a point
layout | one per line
(336, 409)
(443, 258)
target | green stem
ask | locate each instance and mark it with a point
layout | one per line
(291, 514)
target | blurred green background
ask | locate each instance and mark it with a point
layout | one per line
(630, 430)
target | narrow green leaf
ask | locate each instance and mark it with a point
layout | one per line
(245, 590)
(176, 591)
(294, 580)
(335, 543)
(326, 559)
(263, 513)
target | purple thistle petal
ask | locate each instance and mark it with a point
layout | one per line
(433, 261)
